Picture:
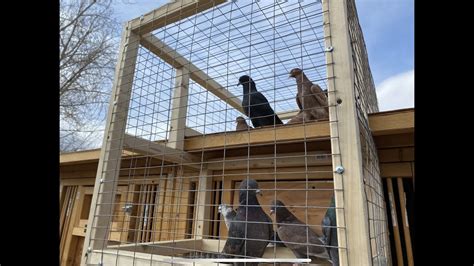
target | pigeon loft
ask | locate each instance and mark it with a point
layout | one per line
(171, 153)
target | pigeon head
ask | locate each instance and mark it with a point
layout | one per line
(282, 213)
(244, 80)
(274, 205)
(240, 119)
(248, 190)
(295, 72)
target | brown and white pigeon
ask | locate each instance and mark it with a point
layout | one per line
(311, 99)
(297, 236)
(251, 229)
(241, 124)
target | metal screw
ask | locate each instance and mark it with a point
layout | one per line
(89, 249)
(101, 180)
(339, 169)
(329, 49)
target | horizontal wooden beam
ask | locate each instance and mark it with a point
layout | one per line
(278, 134)
(395, 141)
(158, 150)
(396, 170)
(386, 128)
(170, 13)
(173, 58)
(392, 122)
(405, 154)
(271, 161)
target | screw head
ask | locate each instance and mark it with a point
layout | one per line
(329, 49)
(339, 169)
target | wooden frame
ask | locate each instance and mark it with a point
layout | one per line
(351, 207)
(110, 156)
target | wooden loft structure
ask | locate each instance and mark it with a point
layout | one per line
(393, 133)
(99, 188)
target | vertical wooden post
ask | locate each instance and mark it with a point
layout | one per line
(352, 220)
(203, 202)
(396, 230)
(111, 152)
(179, 105)
(406, 227)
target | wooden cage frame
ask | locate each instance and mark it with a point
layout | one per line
(353, 235)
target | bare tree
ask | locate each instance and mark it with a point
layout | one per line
(88, 45)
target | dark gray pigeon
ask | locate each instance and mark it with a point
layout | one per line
(330, 232)
(311, 99)
(256, 106)
(251, 229)
(296, 235)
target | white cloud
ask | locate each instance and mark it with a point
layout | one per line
(397, 91)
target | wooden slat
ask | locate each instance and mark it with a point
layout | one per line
(389, 123)
(395, 141)
(271, 160)
(166, 248)
(71, 242)
(173, 58)
(161, 206)
(141, 207)
(396, 155)
(313, 130)
(68, 212)
(168, 208)
(202, 205)
(396, 228)
(110, 155)
(395, 170)
(170, 13)
(158, 150)
(179, 109)
(352, 223)
(127, 220)
(406, 227)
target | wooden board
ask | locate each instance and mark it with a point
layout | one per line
(406, 227)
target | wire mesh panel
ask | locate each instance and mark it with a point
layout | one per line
(366, 103)
(213, 152)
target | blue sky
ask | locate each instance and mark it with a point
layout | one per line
(388, 27)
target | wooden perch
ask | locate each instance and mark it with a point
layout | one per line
(158, 150)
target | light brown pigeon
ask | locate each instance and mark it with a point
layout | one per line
(311, 99)
(241, 124)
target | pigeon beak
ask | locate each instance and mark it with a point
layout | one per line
(272, 211)
(239, 83)
(259, 192)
